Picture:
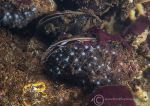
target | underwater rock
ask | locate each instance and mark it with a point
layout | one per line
(108, 95)
(18, 13)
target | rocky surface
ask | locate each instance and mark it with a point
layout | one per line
(20, 66)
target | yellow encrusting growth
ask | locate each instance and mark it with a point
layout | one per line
(38, 87)
(132, 15)
(141, 94)
(140, 9)
(140, 39)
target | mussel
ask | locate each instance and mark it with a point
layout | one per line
(84, 61)
(67, 24)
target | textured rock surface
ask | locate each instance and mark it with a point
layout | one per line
(20, 66)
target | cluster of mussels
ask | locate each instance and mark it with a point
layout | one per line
(82, 50)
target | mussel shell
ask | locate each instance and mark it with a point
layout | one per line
(101, 7)
(83, 61)
(19, 13)
(67, 22)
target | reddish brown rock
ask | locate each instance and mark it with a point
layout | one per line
(111, 96)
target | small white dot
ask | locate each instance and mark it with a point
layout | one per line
(60, 49)
(83, 53)
(34, 88)
(113, 53)
(72, 53)
(59, 73)
(57, 68)
(119, 70)
(95, 58)
(76, 60)
(121, 64)
(16, 16)
(91, 49)
(7, 13)
(61, 100)
(108, 68)
(131, 1)
(109, 80)
(93, 80)
(60, 55)
(90, 64)
(75, 48)
(98, 47)
(99, 66)
(86, 47)
(34, 9)
(57, 59)
(79, 69)
(83, 81)
(67, 59)
(103, 65)
(98, 82)
(106, 51)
